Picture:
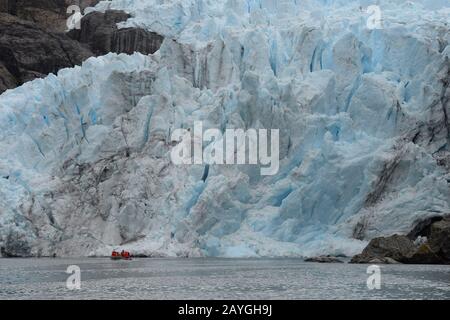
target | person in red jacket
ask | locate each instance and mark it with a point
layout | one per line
(125, 254)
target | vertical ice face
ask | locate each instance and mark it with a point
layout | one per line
(362, 113)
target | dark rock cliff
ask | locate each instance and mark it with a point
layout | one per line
(47, 14)
(28, 51)
(427, 243)
(99, 31)
(33, 42)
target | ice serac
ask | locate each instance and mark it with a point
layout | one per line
(363, 117)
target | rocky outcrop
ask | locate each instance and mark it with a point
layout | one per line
(15, 246)
(100, 32)
(33, 43)
(7, 80)
(433, 247)
(395, 247)
(439, 240)
(28, 52)
(324, 259)
(47, 14)
(422, 228)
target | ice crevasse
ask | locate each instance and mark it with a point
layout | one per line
(363, 116)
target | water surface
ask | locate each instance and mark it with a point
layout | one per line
(217, 279)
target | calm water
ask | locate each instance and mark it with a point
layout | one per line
(216, 279)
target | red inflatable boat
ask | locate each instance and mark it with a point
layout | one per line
(124, 255)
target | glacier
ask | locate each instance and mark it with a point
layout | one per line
(363, 117)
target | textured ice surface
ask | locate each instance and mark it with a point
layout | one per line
(85, 155)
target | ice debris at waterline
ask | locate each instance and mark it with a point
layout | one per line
(363, 116)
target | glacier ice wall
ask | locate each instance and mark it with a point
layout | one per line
(363, 119)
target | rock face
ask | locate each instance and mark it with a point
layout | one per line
(28, 52)
(439, 241)
(395, 247)
(100, 32)
(422, 228)
(32, 42)
(324, 259)
(15, 246)
(436, 250)
(48, 14)
(7, 80)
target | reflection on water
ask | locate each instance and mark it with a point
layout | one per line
(217, 279)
